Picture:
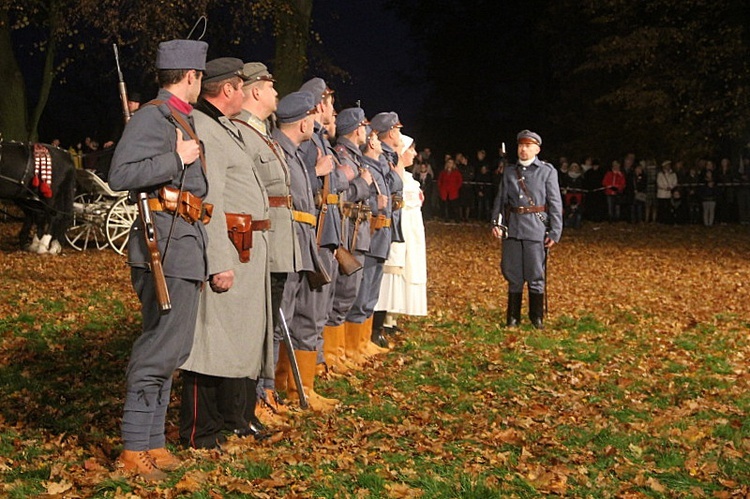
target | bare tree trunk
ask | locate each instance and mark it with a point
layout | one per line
(13, 117)
(293, 33)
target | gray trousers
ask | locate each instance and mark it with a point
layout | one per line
(300, 306)
(347, 288)
(523, 261)
(163, 346)
(327, 294)
(369, 290)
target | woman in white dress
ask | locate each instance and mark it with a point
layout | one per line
(404, 286)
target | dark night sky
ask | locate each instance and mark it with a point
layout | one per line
(370, 43)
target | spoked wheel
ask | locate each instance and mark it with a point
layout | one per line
(120, 218)
(86, 231)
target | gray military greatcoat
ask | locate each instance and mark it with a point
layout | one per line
(234, 332)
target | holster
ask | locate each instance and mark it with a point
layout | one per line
(240, 232)
(348, 263)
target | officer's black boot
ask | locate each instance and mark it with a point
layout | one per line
(378, 331)
(514, 309)
(536, 309)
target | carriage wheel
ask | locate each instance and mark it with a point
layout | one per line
(120, 218)
(88, 217)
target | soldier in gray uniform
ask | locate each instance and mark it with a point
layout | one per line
(159, 149)
(389, 127)
(358, 322)
(299, 302)
(284, 253)
(351, 126)
(328, 231)
(527, 215)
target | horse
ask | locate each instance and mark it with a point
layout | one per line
(41, 180)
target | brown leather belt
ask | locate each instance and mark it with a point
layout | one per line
(304, 217)
(280, 201)
(190, 207)
(379, 222)
(261, 224)
(523, 210)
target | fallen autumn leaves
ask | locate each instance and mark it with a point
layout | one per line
(637, 388)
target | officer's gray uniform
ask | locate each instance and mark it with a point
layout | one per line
(523, 250)
(380, 244)
(145, 160)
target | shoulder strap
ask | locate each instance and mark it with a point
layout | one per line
(184, 124)
(265, 139)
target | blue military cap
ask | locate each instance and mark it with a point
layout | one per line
(529, 137)
(350, 119)
(182, 54)
(223, 68)
(294, 107)
(317, 87)
(383, 122)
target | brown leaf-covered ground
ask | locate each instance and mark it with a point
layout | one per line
(638, 387)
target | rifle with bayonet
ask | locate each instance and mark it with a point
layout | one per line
(287, 337)
(144, 211)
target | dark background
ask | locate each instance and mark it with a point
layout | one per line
(465, 75)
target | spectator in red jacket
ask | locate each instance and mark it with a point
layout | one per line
(449, 185)
(614, 186)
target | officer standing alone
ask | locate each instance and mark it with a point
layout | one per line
(527, 215)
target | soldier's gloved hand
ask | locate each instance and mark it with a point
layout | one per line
(188, 150)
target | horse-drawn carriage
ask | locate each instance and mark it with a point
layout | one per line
(101, 217)
(62, 201)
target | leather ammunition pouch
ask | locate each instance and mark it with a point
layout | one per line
(187, 205)
(355, 210)
(397, 202)
(379, 222)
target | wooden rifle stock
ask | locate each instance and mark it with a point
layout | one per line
(149, 228)
(157, 271)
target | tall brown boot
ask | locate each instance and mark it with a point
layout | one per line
(306, 361)
(283, 371)
(352, 340)
(339, 332)
(330, 349)
(368, 348)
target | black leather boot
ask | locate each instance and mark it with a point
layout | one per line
(378, 331)
(536, 309)
(514, 309)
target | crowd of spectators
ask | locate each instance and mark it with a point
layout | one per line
(460, 189)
